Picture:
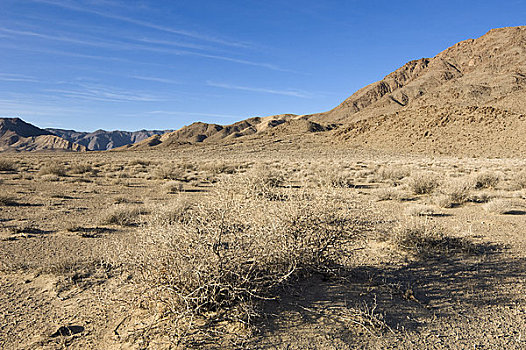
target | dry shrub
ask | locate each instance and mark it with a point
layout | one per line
(391, 193)
(217, 258)
(498, 206)
(423, 237)
(454, 192)
(7, 200)
(261, 182)
(173, 187)
(519, 180)
(53, 169)
(222, 167)
(169, 172)
(394, 173)
(420, 210)
(50, 177)
(486, 179)
(8, 165)
(423, 183)
(81, 168)
(334, 178)
(141, 162)
(124, 215)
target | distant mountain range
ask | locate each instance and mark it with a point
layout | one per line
(18, 135)
(102, 140)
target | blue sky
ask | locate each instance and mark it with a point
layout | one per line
(162, 64)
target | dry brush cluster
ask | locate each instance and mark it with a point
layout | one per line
(216, 259)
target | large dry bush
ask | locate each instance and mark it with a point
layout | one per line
(215, 259)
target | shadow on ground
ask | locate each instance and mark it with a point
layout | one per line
(400, 299)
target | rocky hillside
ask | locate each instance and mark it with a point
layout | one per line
(469, 99)
(101, 140)
(202, 132)
(488, 71)
(17, 135)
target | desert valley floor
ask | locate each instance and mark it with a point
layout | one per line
(261, 247)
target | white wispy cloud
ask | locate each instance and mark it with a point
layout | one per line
(107, 94)
(288, 92)
(117, 45)
(138, 22)
(17, 78)
(155, 79)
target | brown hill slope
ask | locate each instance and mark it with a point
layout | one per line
(17, 135)
(202, 132)
(470, 99)
(488, 71)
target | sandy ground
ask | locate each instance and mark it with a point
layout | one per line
(56, 290)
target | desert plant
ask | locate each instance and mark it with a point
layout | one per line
(7, 200)
(123, 215)
(232, 252)
(486, 179)
(420, 210)
(423, 237)
(81, 168)
(8, 165)
(393, 172)
(53, 169)
(423, 183)
(519, 180)
(453, 192)
(391, 193)
(498, 206)
(169, 172)
(173, 187)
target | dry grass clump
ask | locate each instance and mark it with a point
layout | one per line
(454, 192)
(216, 263)
(261, 181)
(394, 173)
(333, 178)
(169, 172)
(486, 179)
(7, 200)
(391, 193)
(519, 180)
(173, 187)
(423, 182)
(142, 162)
(222, 167)
(124, 215)
(423, 237)
(420, 210)
(50, 177)
(498, 206)
(53, 169)
(8, 165)
(80, 168)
